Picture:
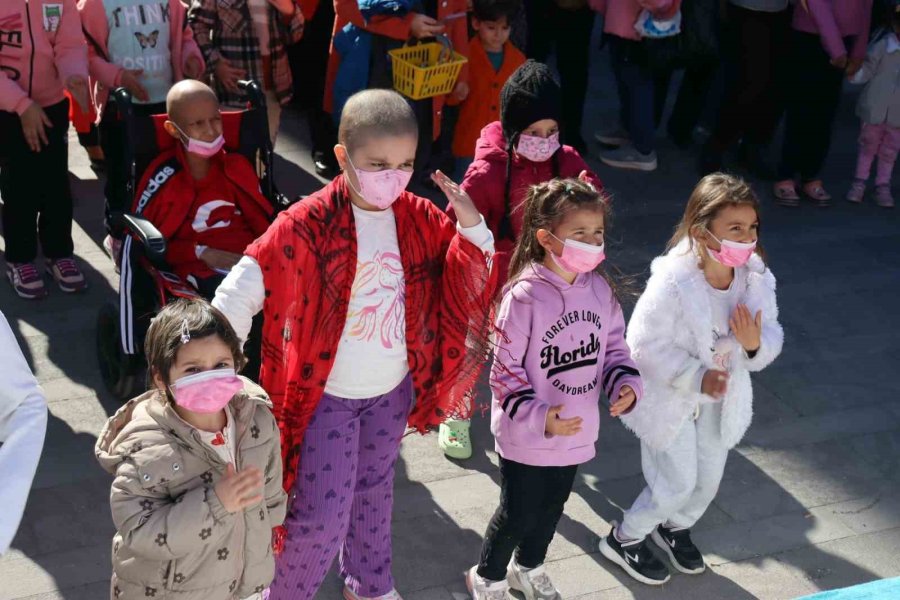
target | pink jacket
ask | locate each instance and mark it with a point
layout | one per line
(39, 52)
(106, 76)
(834, 20)
(619, 16)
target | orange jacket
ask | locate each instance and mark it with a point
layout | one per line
(347, 11)
(482, 106)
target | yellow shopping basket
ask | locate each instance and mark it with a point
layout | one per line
(426, 70)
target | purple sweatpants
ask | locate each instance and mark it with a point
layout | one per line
(881, 140)
(344, 495)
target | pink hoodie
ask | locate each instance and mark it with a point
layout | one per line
(39, 52)
(619, 16)
(106, 76)
(834, 20)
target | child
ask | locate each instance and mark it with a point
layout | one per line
(44, 55)
(562, 341)
(879, 109)
(144, 46)
(373, 303)
(828, 42)
(706, 320)
(492, 60)
(519, 151)
(247, 39)
(197, 466)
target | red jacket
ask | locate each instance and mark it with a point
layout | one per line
(168, 203)
(308, 261)
(485, 182)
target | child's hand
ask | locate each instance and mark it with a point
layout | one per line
(840, 62)
(219, 259)
(423, 26)
(624, 402)
(228, 76)
(557, 426)
(34, 126)
(78, 87)
(714, 384)
(461, 91)
(192, 68)
(853, 66)
(130, 82)
(466, 213)
(237, 491)
(745, 328)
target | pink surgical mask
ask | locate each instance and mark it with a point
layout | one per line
(731, 254)
(206, 392)
(537, 149)
(579, 257)
(380, 188)
(199, 147)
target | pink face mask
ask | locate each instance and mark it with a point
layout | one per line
(206, 392)
(731, 254)
(199, 147)
(537, 149)
(579, 257)
(380, 188)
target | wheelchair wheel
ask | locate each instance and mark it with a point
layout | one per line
(121, 372)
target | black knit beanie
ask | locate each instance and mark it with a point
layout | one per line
(529, 95)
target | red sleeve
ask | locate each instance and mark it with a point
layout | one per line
(480, 182)
(397, 28)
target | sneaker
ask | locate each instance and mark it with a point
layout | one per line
(682, 552)
(26, 280)
(482, 589)
(857, 191)
(883, 196)
(67, 275)
(454, 440)
(628, 157)
(351, 595)
(635, 557)
(113, 248)
(534, 583)
(615, 138)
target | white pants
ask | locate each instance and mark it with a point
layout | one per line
(682, 480)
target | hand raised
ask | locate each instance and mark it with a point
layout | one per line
(746, 328)
(466, 213)
(237, 491)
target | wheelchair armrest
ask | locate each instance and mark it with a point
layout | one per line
(254, 92)
(151, 239)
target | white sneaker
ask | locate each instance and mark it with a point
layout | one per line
(351, 595)
(534, 583)
(482, 589)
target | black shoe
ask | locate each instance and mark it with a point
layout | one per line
(681, 550)
(325, 167)
(635, 558)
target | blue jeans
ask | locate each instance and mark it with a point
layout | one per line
(637, 93)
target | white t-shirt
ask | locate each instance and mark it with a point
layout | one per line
(723, 303)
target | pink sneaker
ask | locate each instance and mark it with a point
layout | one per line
(26, 280)
(883, 197)
(67, 275)
(857, 191)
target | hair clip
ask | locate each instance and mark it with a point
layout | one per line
(185, 332)
(568, 188)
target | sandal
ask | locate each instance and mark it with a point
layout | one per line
(786, 193)
(816, 192)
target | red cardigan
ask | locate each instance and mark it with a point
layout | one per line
(308, 261)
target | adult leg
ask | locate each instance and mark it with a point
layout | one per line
(690, 102)
(321, 500)
(638, 81)
(20, 174)
(557, 485)
(802, 113)
(617, 62)
(773, 75)
(273, 114)
(573, 45)
(366, 554)
(541, 19)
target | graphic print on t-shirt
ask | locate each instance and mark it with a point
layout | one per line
(570, 351)
(377, 300)
(139, 39)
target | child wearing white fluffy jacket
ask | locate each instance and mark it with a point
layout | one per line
(707, 319)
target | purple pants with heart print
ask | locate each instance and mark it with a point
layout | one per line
(343, 497)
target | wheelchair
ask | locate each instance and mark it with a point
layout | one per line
(146, 282)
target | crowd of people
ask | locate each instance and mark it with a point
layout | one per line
(374, 309)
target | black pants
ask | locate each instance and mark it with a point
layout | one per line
(309, 65)
(37, 202)
(692, 96)
(812, 104)
(756, 48)
(531, 504)
(112, 141)
(570, 32)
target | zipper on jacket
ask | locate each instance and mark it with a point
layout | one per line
(31, 36)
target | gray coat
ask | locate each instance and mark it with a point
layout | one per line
(880, 99)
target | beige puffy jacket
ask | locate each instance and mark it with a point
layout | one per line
(174, 538)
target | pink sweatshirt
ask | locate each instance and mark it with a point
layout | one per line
(619, 16)
(558, 344)
(40, 50)
(106, 76)
(834, 20)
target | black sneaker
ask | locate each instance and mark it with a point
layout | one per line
(636, 558)
(681, 550)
